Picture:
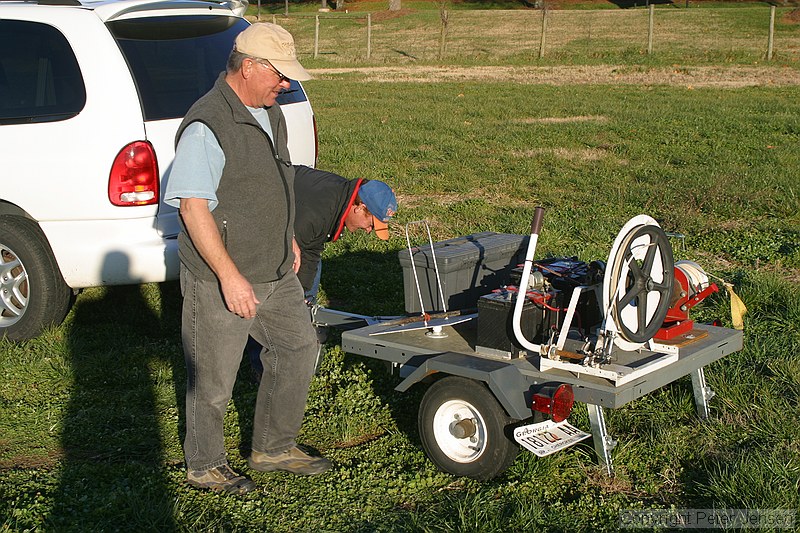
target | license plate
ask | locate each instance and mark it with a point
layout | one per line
(548, 437)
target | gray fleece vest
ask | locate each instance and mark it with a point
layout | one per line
(255, 214)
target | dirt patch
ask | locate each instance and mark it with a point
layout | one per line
(561, 120)
(47, 460)
(792, 17)
(411, 201)
(585, 154)
(689, 77)
(385, 14)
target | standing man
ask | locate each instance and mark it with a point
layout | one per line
(238, 266)
(327, 204)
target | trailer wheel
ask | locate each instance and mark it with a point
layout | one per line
(463, 429)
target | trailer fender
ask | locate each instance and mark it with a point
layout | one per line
(511, 388)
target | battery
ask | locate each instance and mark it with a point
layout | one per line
(495, 324)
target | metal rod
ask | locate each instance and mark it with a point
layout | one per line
(516, 321)
(414, 267)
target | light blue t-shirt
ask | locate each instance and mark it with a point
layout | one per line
(199, 160)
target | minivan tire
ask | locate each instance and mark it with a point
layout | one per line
(33, 294)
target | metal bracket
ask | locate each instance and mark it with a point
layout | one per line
(603, 443)
(702, 393)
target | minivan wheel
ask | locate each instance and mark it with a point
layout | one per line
(33, 294)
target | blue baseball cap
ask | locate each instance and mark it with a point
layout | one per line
(382, 204)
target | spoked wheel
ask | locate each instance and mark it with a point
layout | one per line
(463, 429)
(637, 288)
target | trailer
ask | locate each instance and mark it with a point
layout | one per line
(522, 340)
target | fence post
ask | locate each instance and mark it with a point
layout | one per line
(316, 36)
(650, 30)
(274, 20)
(771, 32)
(443, 33)
(544, 31)
(286, 7)
(369, 35)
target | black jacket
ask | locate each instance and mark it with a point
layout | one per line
(321, 200)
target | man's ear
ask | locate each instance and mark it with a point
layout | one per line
(247, 68)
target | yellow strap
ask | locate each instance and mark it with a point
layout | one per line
(738, 308)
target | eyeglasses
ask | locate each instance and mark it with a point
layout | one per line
(281, 77)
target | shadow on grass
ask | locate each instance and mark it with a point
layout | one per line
(370, 283)
(113, 474)
(363, 282)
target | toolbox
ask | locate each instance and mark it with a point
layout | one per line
(469, 267)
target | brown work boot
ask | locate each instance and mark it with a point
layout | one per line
(293, 460)
(221, 478)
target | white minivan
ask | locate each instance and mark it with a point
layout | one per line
(91, 94)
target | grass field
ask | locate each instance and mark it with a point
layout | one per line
(91, 413)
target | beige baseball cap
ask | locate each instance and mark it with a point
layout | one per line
(273, 43)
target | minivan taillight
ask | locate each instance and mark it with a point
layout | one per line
(134, 176)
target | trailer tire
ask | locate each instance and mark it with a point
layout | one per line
(463, 429)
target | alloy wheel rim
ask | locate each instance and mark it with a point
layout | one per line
(13, 287)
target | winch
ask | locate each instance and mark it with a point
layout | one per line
(691, 286)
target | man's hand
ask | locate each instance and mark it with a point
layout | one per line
(239, 296)
(237, 291)
(296, 250)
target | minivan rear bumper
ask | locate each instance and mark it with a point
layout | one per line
(112, 252)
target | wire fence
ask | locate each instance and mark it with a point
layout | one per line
(738, 35)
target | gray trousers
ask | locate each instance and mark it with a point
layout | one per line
(213, 341)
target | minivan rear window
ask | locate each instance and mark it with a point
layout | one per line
(176, 59)
(40, 80)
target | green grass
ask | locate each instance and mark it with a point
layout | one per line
(92, 415)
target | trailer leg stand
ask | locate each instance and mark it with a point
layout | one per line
(702, 393)
(603, 443)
